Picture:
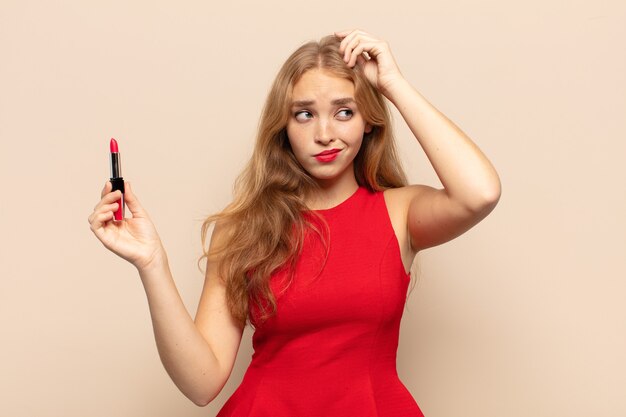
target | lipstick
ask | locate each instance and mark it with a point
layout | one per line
(327, 156)
(117, 181)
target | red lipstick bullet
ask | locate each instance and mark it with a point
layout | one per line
(117, 181)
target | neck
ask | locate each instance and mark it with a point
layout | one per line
(331, 192)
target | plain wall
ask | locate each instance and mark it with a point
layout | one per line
(523, 315)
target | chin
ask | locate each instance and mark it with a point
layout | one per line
(325, 177)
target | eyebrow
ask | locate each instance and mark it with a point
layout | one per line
(337, 102)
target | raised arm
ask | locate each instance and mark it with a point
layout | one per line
(471, 184)
(198, 356)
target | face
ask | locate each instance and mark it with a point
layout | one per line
(325, 127)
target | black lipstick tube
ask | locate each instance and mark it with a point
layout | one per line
(117, 181)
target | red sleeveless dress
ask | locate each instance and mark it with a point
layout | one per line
(330, 351)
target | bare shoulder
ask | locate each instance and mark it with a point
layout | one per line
(219, 238)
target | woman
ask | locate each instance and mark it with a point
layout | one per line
(315, 248)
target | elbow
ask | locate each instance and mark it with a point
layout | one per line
(487, 199)
(206, 389)
(492, 196)
(202, 400)
(204, 397)
(199, 396)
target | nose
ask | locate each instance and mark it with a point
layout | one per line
(324, 132)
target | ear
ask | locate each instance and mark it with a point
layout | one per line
(368, 128)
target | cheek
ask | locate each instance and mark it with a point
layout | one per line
(352, 134)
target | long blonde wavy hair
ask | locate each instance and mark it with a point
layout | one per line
(268, 203)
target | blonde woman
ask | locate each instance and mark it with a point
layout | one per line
(315, 250)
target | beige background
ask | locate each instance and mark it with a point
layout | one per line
(521, 316)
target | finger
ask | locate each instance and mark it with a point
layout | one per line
(354, 43)
(107, 188)
(132, 202)
(353, 37)
(369, 49)
(103, 209)
(347, 40)
(361, 59)
(108, 199)
(98, 222)
(342, 33)
(359, 51)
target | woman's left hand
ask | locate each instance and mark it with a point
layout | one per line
(374, 55)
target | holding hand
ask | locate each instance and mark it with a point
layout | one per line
(134, 239)
(374, 55)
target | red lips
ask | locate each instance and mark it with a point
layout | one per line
(328, 152)
(327, 156)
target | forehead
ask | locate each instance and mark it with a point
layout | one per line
(320, 84)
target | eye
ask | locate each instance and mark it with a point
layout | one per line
(345, 114)
(303, 116)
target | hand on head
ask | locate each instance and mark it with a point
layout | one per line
(373, 54)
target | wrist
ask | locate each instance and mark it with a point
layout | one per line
(394, 86)
(157, 261)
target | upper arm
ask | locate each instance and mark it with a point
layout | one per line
(434, 218)
(213, 319)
